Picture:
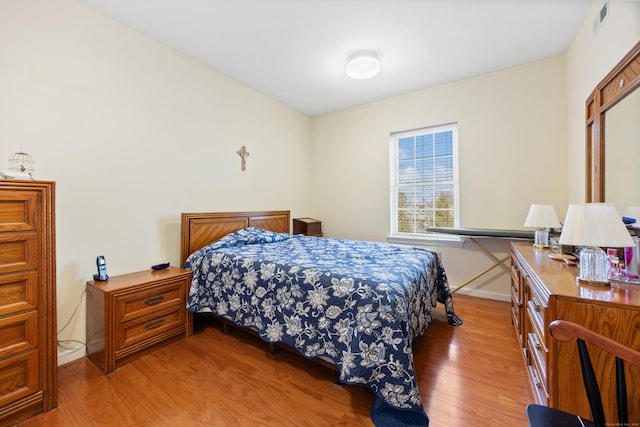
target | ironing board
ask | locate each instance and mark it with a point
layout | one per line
(475, 235)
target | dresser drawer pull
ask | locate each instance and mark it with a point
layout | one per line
(536, 343)
(536, 304)
(536, 380)
(154, 300)
(154, 323)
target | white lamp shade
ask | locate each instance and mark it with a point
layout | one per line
(542, 216)
(594, 224)
(363, 65)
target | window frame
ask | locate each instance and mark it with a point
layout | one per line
(423, 238)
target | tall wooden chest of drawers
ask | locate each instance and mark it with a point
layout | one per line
(28, 350)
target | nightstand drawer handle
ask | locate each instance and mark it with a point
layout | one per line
(154, 323)
(154, 300)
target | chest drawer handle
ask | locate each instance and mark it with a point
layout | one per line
(154, 300)
(154, 323)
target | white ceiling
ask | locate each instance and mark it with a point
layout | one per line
(295, 51)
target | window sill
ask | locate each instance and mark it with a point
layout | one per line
(427, 240)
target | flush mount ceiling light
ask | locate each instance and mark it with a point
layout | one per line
(363, 64)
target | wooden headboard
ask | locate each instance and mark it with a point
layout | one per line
(200, 229)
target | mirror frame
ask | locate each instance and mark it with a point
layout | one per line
(623, 79)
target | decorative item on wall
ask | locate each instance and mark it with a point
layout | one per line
(20, 166)
(243, 153)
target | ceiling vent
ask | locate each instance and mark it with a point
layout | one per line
(599, 19)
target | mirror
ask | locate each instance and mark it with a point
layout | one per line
(612, 138)
(622, 162)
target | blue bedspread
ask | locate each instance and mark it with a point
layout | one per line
(359, 304)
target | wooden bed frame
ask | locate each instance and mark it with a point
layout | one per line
(200, 229)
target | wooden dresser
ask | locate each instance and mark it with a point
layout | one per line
(28, 350)
(133, 314)
(543, 290)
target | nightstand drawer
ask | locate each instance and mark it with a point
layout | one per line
(18, 333)
(146, 327)
(151, 300)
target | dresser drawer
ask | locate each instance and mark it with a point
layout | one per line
(18, 333)
(539, 357)
(18, 293)
(541, 393)
(150, 300)
(18, 252)
(148, 327)
(18, 377)
(18, 210)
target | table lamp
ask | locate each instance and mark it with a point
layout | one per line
(593, 226)
(542, 217)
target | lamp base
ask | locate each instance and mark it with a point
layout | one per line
(593, 267)
(541, 239)
(592, 282)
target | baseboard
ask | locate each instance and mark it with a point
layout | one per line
(484, 294)
(67, 356)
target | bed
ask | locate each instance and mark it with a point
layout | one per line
(356, 304)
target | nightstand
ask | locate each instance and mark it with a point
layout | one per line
(307, 226)
(133, 314)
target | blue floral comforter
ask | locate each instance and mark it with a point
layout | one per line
(359, 304)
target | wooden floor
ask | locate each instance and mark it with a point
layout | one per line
(471, 375)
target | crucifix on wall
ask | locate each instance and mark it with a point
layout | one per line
(243, 153)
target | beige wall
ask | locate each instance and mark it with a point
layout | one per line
(512, 136)
(521, 142)
(134, 133)
(589, 59)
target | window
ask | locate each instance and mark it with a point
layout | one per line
(424, 179)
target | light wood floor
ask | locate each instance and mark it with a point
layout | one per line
(471, 375)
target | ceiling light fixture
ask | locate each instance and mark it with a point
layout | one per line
(363, 64)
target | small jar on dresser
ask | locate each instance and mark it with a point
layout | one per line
(133, 314)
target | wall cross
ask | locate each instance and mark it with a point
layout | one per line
(243, 153)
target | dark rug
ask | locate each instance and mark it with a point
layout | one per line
(384, 415)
